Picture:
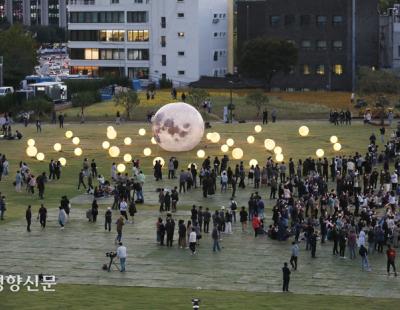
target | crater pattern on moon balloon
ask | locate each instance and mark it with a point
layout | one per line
(178, 127)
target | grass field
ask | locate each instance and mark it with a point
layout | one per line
(107, 297)
(285, 133)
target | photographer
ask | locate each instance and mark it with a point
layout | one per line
(121, 254)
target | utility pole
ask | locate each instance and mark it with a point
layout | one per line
(353, 45)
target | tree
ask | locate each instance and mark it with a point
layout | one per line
(263, 58)
(19, 54)
(128, 99)
(40, 105)
(377, 83)
(257, 99)
(85, 99)
(386, 4)
(197, 96)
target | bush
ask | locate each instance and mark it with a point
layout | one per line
(82, 85)
(165, 83)
(85, 98)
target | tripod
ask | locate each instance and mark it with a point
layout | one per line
(112, 263)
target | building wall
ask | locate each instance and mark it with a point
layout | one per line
(255, 20)
(188, 33)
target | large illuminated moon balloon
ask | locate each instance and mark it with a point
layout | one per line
(178, 127)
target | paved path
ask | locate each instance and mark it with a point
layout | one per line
(76, 255)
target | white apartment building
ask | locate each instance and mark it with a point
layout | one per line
(180, 40)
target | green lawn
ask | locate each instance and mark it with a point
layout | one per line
(111, 297)
(287, 108)
(285, 133)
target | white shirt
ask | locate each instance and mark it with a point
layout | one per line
(123, 206)
(121, 252)
(394, 178)
(192, 237)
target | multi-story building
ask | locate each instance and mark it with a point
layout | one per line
(34, 12)
(179, 40)
(333, 37)
(389, 26)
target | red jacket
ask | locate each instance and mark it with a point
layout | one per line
(256, 222)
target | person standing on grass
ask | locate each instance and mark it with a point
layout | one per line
(123, 207)
(182, 234)
(215, 236)
(295, 254)
(391, 257)
(243, 218)
(28, 216)
(18, 181)
(108, 219)
(81, 181)
(121, 254)
(364, 258)
(2, 206)
(286, 277)
(42, 216)
(207, 218)
(192, 241)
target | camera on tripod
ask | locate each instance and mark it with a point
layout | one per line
(111, 254)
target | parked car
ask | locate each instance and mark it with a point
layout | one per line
(6, 90)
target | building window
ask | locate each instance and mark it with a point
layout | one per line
(289, 20)
(305, 70)
(138, 73)
(181, 53)
(163, 41)
(163, 60)
(137, 17)
(180, 15)
(138, 35)
(337, 20)
(306, 44)
(91, 53)
(163, 22)
(181, 72)
(320, 69)
(181, 34)
(138, 54)
(321, 20)
(305, 20)
(274, 20)
(112, 35)
(337, 45)
(398, 51)
(114, 1)
(321, 45)
(338, 69)
(215, 56)
(112, 54)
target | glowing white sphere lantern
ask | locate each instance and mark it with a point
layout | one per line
(250, 139)
(31, 151)
(127, 158)
(162, 161)
(40, 156)
(215, 137)
(279, 158)
(112, 134)
(258, 128)
(31, 142)
(237, 153)
(105, 145)
(57, 147)
(224, 148)
(69, 134)
(253, 162)
(209, 135)
(142, 132)
(304, 131)
(269, 144)
(127, 141)
(76, 140)
(121, 168)
(78, 151)
(320, 153)
(62, 161)
(278, 150)
(178, 127)
(147, 151)
(334, 139)
(114, 151)
(337, 147)
(201, 153)
(230, 142)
